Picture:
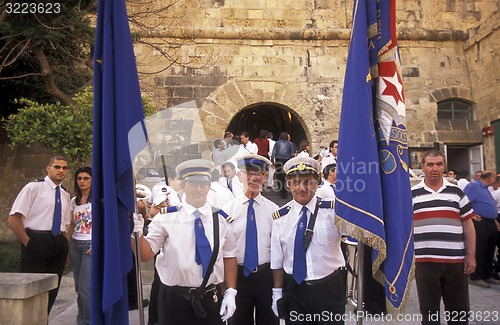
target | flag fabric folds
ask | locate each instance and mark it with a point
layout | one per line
(117, 110)
(373, 189)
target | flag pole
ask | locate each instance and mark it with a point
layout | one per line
(138, 267)
(359, 282)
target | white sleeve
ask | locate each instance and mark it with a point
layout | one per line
(276, 249)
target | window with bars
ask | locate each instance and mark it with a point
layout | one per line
(455, 109)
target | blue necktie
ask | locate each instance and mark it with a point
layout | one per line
(56, 221)
(299, 255)
(203, 250)
(251, 260)
(230, 184)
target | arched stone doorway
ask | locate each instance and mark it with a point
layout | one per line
(254, 105)
(269, 116)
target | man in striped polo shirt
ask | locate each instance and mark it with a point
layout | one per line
(444, 242)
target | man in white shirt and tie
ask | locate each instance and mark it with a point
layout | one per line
(307, 262)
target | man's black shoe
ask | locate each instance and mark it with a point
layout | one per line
(134, 306)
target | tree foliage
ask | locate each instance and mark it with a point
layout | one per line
(60, 128)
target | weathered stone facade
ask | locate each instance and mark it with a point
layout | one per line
(229, 55)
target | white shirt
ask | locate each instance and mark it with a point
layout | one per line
(323, 256)
(271, 146)
(174, 234)
(219, 195)
(496, 196)
(36, 203)
(82, 216)
(237, 208)
(462, 183)
(303, 153)
(326, 191)
(236, 185)
(250, 147)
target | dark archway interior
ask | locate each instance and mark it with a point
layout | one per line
(268, 116)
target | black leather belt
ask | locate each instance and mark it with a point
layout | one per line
(28, 230)
(209, 288)
(259, 268)
(318, 281)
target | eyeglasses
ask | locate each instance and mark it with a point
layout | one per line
(60, 167)
(252, 172)
(204, 185)
(84, 178)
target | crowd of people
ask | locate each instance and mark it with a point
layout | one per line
(224, 252)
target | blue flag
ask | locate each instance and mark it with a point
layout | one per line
(118, 134)
(373, 188)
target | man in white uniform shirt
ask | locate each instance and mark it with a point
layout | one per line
(252, 214)
(230, 179)
(308, 266)
(218, 195)
(44, 246)
(247, 144)
(186, 237)
(327, 189)
(331, 157)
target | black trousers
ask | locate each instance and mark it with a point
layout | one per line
(486, 239)
(174, 307)
(45, 254)
(254, 294)
(281, 176)
(153, 296)
(318, 302)
(446, 280)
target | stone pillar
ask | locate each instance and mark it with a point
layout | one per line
(24, 297)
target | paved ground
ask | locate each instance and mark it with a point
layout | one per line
(484, 303)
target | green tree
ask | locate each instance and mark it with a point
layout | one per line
(65, 129)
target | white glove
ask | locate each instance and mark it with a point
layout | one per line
(228, 306)
(138, 223)
(277, 295)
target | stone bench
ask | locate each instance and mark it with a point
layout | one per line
(24, 297)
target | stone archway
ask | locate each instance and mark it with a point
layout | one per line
(250, 106)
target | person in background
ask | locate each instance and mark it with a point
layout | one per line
(452, 176)
(262, 144)
(485, 209)
(39, 218)
(331, 157)
(477, 174)
(230, 180)
(218, 194)
(252, 214)
(283, 150)
(304, 149)
(327, 189)
(218, 154)
(270, 176)
(80, 238)
(444, 241)
(246, 144)
(496, 196)
(462, 178)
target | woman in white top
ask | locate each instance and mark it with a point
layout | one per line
(81, 240)
(304, 149)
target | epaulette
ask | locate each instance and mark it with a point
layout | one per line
(38, 180)
(327, 204)
(281, 212)
(171, 209)
(226, 216)
(164, 190)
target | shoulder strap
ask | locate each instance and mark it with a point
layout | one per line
(310, 226)
(215, 252)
